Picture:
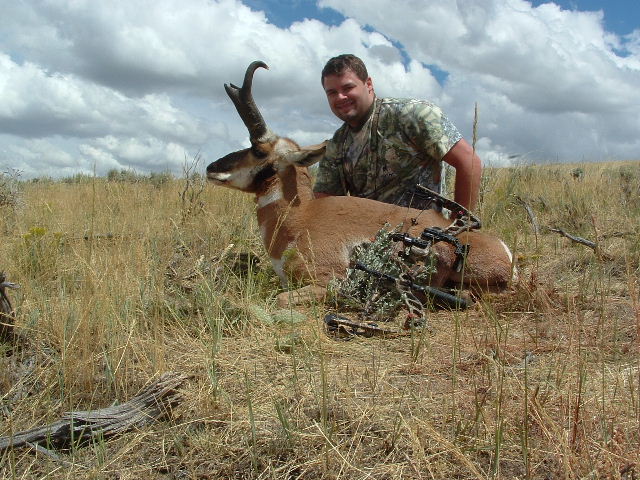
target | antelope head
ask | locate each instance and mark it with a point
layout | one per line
(251, 169)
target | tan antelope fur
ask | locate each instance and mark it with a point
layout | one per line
(310, 239)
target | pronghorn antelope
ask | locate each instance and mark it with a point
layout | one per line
(310, 239)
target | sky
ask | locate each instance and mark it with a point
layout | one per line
(88, 86)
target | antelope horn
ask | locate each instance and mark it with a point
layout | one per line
(246, 107)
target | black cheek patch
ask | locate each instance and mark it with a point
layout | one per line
(262, 176)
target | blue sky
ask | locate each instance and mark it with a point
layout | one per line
(620, 16)
(283, 14)
(137, 84)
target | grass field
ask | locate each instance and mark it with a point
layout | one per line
(122, 281)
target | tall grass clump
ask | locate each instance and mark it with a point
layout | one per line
(38, 253)
(10, 189)
(10, 198)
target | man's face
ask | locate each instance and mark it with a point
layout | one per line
(349, 97)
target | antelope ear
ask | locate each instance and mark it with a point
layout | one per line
(304, 157)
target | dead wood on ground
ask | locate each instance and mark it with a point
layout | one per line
(152, 403)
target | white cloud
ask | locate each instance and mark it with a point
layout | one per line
(543, 76)
(38, 158)
(38, 149)
(124, 84)
(34, 102)
(143, 154)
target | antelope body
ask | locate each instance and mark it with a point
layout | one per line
(311, 239)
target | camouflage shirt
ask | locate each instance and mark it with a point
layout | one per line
(411, 137)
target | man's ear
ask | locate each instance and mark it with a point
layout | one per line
(369, 84)
(304, 157)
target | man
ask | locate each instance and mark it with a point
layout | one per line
(387, 146)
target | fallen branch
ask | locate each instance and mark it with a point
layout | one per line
(152, 403)
(582, 241)
(530, 213)
(341, 326)
(573, 238)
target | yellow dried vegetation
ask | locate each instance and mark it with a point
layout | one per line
(123, 281)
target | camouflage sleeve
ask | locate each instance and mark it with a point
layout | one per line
(328, 176)
(429, 129)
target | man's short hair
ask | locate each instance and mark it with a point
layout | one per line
(338, 65)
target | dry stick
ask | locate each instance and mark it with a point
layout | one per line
(153, 402)
(530, 213)
(53, 455)
(473, 154)
(576, 415)
(582, 241)
(7, 315)
(573, 238)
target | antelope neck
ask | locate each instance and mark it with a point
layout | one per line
(291, 186)
(278, 206)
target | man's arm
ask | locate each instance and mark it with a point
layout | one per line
(328, 181)
(468, 173)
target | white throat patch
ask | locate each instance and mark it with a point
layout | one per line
(269, 198)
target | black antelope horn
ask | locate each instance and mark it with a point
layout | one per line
(246, 107)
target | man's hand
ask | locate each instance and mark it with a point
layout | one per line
(468, 173)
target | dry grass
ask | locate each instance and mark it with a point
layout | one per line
(543, 382)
